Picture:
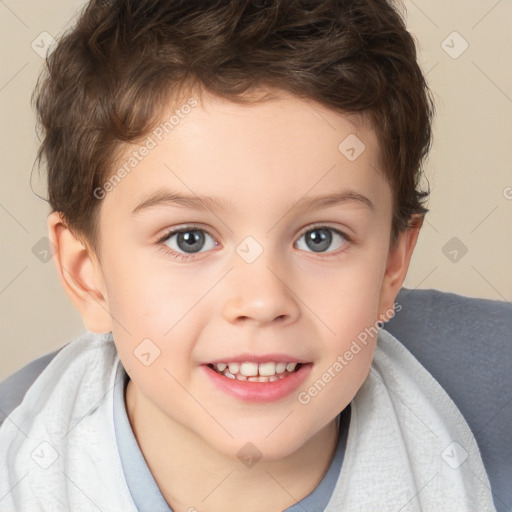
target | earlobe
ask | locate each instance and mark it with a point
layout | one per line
(397, 265)
(80, 275)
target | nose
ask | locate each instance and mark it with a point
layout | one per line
(260, 293)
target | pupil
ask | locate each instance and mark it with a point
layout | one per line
(321, 239)
(189, 241)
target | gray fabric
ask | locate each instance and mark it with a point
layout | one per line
(465, 343)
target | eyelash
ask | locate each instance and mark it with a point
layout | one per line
(180, 256)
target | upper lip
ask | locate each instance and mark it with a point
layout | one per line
(264, 358)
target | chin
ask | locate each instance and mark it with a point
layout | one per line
(259, 444)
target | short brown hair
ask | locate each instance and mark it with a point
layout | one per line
(111, 73)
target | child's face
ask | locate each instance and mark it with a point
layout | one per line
(255, 285)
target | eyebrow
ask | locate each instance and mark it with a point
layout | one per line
(164, 197)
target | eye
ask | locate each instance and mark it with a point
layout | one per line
(185, 242)
(320, 238)
(188, 240)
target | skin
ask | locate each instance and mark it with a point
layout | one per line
(264, 158)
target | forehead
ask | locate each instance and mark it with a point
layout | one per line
(279, 149)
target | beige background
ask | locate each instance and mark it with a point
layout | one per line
(469, 169)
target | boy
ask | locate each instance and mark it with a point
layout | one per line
(284, 139)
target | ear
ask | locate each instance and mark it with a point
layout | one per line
(399, 257)
(80, 274)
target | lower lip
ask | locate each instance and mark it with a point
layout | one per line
(259, 391)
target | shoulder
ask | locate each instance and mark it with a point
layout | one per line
(460, 311)
(464, 342)
(13, 389)
(466, 345)
(100, 348)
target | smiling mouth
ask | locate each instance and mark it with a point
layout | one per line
(256, 372)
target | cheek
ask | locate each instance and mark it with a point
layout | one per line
(147, 306)
(146, 297)
(347, 302)
(346, 298)
(336, 384)
(347, 352)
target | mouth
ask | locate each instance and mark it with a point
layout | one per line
(252, 381)
(256, 372)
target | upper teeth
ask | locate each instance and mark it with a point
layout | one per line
(253, 369)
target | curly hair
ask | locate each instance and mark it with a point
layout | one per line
(122, 61)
